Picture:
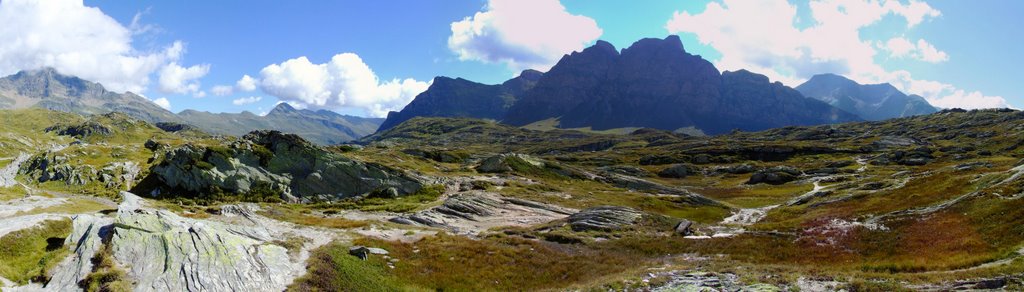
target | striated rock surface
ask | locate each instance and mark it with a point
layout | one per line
(604, 218)
(475, 211)
(161, 251)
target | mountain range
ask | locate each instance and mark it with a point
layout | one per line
(47, 88)
(655, 83)
(871, 102)
(322, 126)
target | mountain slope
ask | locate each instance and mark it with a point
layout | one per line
(870, 101)
(459, 97)
(322, 127)
(654, 83)
(46, 88)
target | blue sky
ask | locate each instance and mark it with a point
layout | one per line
(955, 53)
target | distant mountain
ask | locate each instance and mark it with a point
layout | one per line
(652, 84)
(870, 102)
(46, 88)
(459, 97)
(322, 127)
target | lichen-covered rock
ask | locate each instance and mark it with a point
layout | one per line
(475, 211)
(676, 171)
(604, 218)
(776, 175)
(626, 170)
(53, 166)
(84, 241)
(507, 162)
(160, 251)
(272, 161)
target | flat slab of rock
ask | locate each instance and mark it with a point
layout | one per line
(476, 211)
(604, 218)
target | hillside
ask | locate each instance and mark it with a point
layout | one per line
(928, 202)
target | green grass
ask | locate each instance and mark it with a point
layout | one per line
(331, 268)
(28, 254)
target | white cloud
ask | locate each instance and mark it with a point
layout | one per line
(975, 99)
(899, 47)
(163, 102)
(246, 100)
(344, 81)
(523, 34)
(181, 80)
(247, 83)
(76, 40)
(760, 35)
(222, 90)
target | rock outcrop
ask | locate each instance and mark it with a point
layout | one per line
(275, 163)
(161, 251)
(775, 176)
(475, 211)
(604, 218)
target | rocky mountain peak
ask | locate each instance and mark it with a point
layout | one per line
(283, 109)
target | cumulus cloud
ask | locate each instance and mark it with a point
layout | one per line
(181, 80)
(77, 40)
(247, 100)
(344, 81)
(523, 34)
(899, 47)
(222, 90)
(247, 83)
(761, 36)
(163, 102)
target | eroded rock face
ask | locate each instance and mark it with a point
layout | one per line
(604, 218)
(161, 251)
(271, 160)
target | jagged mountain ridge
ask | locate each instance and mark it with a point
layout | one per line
(869, 101)
(448, 97)
(654, 83)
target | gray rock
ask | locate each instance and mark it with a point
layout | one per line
(502, 163)
(684, 227)
(287, 163)
(161, 251)
(676, 171)
(604, 218)
(776, 175)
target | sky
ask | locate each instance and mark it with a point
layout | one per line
(366, 58)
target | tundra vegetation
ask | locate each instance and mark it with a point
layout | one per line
(924, 202)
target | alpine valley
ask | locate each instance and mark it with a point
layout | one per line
(640, 169)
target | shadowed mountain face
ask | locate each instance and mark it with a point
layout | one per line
(870, 102)
(321, 127)
(46, 88)
(459, 97)
(654, 83)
